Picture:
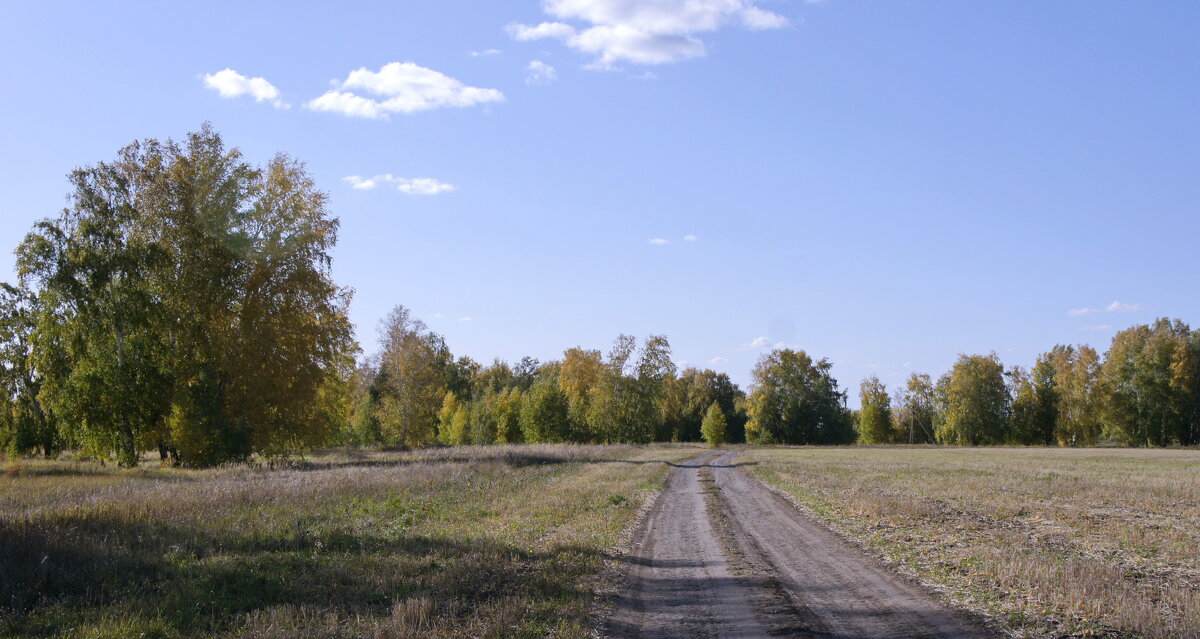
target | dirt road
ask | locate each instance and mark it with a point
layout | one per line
(719, 555)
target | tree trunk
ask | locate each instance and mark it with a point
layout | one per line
(127, 448)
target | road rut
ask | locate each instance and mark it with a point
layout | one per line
(720, 555)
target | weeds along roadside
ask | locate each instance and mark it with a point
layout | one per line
(1046, 542)
(489, 541)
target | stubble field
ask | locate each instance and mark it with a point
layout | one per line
(1045, 542)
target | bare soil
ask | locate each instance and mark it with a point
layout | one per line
(720, 555)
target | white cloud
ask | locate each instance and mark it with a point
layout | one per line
(758, 20)
(464, 319)
(1121, 307)
(690, 238)
(1076, 312)
(658, 241)
(412, 186)
(486, 53)
(399, 87)
(439, 316)
(759, 342)
(718, 360)
(640, 31)
(556, 30)
(1101, 327)
(539, 73)
(231, 84)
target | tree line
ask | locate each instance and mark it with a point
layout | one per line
(1144, 391)
(183, 302)
(415, 393)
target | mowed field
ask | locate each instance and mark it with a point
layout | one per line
(1045, 542)
(452, 542)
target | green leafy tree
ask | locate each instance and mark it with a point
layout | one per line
(1076, 382)
(916, 410)
(99, 339)
(642, 414)
(580, 374)
(1185, 381)
(447, 432)
(483, 426)
(545, 414)
(25, 425)
(609, 404)
(497, 377)
(411, 385)
(713, 427)
(1048, 403)
(976, 402)
(875, 416)
(460, 424)
(703, 387)
(525, 373)
(1149, 385)
(1023, 418)
(188, 303)
(507, 411)
(796, 401)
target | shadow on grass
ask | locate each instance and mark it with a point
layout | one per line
(356, 459)
(513, 459)
(67, 573)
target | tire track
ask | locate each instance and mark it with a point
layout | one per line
(720, 555)
(681, 584)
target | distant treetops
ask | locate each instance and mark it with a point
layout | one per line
(1145, 391)
(183, 302)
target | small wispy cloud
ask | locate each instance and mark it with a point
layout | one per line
(538, 73)
(690, 238)
(759, 342)
(439, 316)
(231, 84)
(524, 33)
(756, 19)
(411, 186)
(1115, 307)
(1122, 307)
(718, 360)
(465, 318)
(1101, 327)
(486, 53)
(658, 241)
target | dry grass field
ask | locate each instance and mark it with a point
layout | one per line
(1046, 542)
(463, 542)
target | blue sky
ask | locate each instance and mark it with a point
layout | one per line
(884, 184)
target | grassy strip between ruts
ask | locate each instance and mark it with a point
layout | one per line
(1046, 542)
(462, 542)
